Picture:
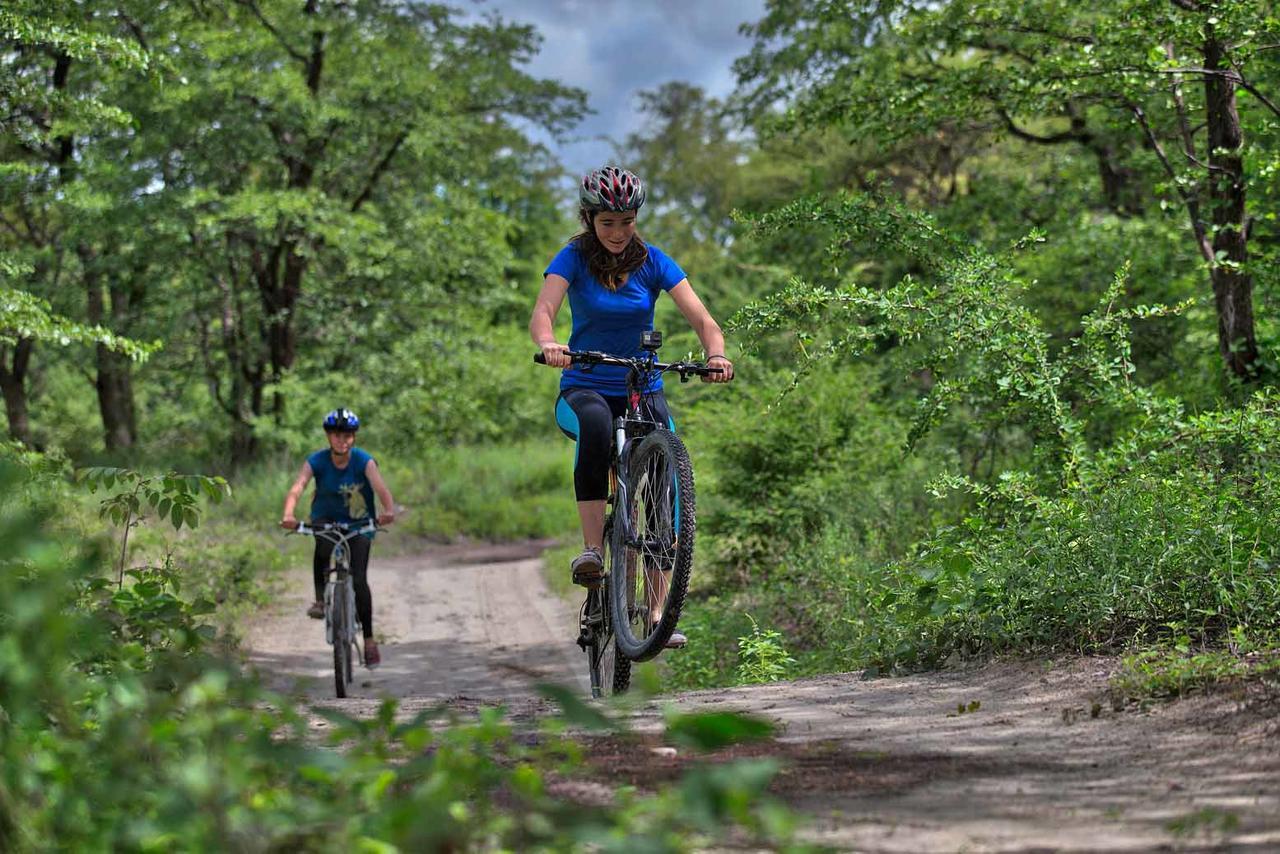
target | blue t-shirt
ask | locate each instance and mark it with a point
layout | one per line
(342, 495)
(611, 321)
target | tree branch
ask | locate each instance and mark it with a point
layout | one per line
(1020, 133)
(378, 170)
(257, 13)
(1253, 90)
(1192, 203)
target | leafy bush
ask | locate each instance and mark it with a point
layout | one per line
(121, 728)
(1119, 519)
(761, 656)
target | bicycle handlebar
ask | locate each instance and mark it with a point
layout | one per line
(590, 357)
(342, 531)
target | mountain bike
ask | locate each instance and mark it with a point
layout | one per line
(341, 624)
(648, 530)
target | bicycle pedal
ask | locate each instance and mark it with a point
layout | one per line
(584, 639)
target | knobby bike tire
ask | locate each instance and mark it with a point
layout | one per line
(659, 500)
(615, 669)
(341, 644)
(610, 673)
(353, 649)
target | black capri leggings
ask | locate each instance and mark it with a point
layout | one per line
(358, 546)
(586, 416)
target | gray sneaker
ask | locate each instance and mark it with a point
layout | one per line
(588, 567)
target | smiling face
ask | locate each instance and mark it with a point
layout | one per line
(615, 230)
(340, 442)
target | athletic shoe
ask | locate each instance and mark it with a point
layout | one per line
(316, 611)
(676, 640)
(372, 658)
(588, 567)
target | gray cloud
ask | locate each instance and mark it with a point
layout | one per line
(614, 49)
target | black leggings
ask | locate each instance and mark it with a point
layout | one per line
(586, 416)
(358, 548)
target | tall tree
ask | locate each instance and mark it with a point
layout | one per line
(1111, 79)
(323, 126)
(55, 56)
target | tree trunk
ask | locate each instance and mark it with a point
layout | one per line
(114, 381)
(1232, 284)
(14, 362)
(115, 400)
(1119, 189)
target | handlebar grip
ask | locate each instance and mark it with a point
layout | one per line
(540, 358)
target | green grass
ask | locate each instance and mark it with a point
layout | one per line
(490, 492)
(1161, 672)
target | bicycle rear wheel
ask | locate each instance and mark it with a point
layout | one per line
(652, 560)
(609, 671)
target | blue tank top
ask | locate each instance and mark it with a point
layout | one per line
(342, 495)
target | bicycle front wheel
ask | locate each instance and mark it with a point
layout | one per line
(652, 546)
(341, 646)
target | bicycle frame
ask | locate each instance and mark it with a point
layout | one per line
(339, 584)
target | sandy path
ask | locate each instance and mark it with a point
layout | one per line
(1043, 764)
(890, 765)
(474, 623)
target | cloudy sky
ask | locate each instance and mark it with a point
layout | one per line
(614, 48)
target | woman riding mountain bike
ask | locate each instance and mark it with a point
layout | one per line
(346, 479)
(613, 279)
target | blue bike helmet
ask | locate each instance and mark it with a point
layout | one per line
(341, 420)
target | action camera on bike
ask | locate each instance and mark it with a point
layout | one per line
(651, 340)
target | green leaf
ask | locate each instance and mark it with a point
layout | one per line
(714, 730)
(575, 711)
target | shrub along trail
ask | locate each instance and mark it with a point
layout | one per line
(1038, 760)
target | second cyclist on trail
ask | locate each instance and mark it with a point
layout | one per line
(613, 279)
(346, 480)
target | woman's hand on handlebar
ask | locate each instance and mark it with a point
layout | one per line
(289, 523)
(386, 518)
(726, 370)
(556, 355)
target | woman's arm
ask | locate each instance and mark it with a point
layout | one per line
(542, 325)
(707, 329)
(287, 519)
(388, 514)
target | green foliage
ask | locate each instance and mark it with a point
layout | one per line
(505, 492)
(23, 315)
(1176, 670)
(1165, 545)
(171, 497)
(121, 728)
(762, 657)
(827, 453)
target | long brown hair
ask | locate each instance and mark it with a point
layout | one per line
(610, 270)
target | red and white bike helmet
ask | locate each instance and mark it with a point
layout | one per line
(611, 189)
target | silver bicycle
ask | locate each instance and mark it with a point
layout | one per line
(341, 624)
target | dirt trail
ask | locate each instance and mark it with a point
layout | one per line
(466, 625)
(1044, 763)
